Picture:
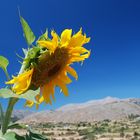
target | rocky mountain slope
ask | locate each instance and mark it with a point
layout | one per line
(20, 114)
(95, 110)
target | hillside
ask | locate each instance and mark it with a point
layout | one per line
(95, 110)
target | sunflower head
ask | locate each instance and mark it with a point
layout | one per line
(48, 64)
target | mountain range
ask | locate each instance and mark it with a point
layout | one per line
(95, 110)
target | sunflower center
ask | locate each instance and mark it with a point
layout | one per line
(49, 66)
(54, 70)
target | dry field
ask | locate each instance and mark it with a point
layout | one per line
(128, 129)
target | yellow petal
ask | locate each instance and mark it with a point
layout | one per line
(65, 78)
(79, 50)
(48, 44)
(75, 58)
(66, 36)
(20, 77)
(72, 72)
(29, 103)
(21, 82)
(62, 85)
(86, 40)
(46, 94)
(54, 39)
(52, 88)
(78, 39)
(41, 99)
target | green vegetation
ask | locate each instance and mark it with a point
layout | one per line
(128, 129)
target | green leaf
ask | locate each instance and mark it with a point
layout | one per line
(32, 53)
(35, 136)
(3, 62)
(43, 36)
(17, 126)
(28, 34)
(1, 136)
(29, 95)
(29, 136)
(25, 51)
(12, 136)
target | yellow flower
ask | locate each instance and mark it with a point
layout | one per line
(53, 66)
(22, 82)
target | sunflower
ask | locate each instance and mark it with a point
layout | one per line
(53, 65)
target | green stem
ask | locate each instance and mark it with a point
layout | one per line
(7, 76)
(6, 73)
(12, 102)
(7, 117)
(1, 114)
(8, 114)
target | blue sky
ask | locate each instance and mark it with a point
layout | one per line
(113, 68)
